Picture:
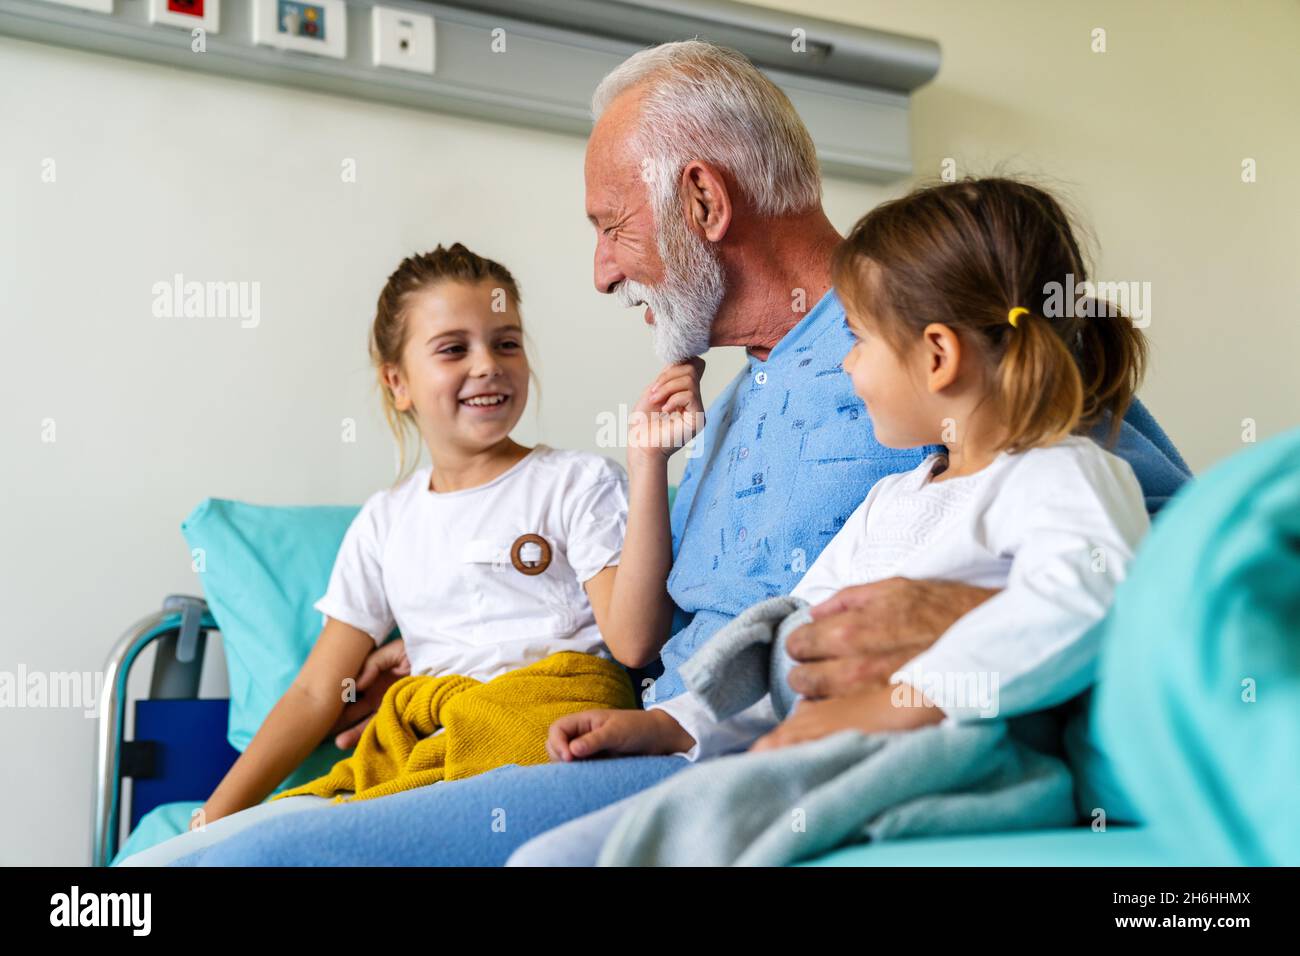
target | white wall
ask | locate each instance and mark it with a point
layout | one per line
(243, 184)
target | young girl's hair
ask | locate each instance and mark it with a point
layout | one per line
(388, 334)
(965, 254)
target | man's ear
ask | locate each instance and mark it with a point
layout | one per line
(396, 384)
(942, 349)
(708, 204)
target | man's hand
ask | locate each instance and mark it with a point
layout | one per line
(385, 666)
(592, 732)
(863, 634)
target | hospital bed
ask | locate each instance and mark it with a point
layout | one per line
(178, 752)
(1218, 579)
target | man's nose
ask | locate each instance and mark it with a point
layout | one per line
(607, 273)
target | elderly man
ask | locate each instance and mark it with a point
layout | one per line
(703, 188)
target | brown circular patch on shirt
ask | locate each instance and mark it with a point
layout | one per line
(530, 568)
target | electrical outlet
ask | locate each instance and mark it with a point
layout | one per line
(402, 40)
(187, 14)
(98, 6)
(309, 26)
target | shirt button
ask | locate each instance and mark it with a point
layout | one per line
(742, 534)
(761, 378)
(744, 452)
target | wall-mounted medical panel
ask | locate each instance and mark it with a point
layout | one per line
(529, 62)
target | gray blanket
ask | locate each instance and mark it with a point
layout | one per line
(747, 659)
(778, 807)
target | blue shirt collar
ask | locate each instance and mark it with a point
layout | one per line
(828, 308)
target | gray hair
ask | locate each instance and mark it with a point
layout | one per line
(710, 103)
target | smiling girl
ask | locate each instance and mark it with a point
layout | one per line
(494, 561)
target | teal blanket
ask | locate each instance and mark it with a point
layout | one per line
(1198, 704)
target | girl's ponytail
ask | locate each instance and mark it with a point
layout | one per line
(1037, 385)
(1112, 356)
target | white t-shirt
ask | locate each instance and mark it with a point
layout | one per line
(439, 566)
(1054, 527)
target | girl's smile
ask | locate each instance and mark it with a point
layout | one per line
(485, 400)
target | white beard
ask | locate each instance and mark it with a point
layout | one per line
(687, 300)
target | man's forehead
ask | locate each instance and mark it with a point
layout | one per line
(613, 182)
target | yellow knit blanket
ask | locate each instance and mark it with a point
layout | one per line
(487, 725)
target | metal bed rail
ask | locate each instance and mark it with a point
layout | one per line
(180, 630)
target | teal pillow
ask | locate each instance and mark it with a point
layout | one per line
(262, 570)
(1198, 702)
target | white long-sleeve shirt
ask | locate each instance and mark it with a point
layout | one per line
(1054, 528)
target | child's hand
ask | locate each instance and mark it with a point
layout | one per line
(592, 732)
(670, 412)
(883, 708)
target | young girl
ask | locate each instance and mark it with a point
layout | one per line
(498, 563)
(948, 292)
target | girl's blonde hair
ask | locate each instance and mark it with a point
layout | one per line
(388, 334)
(966, 254)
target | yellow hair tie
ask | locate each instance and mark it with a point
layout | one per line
(1015, 314)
